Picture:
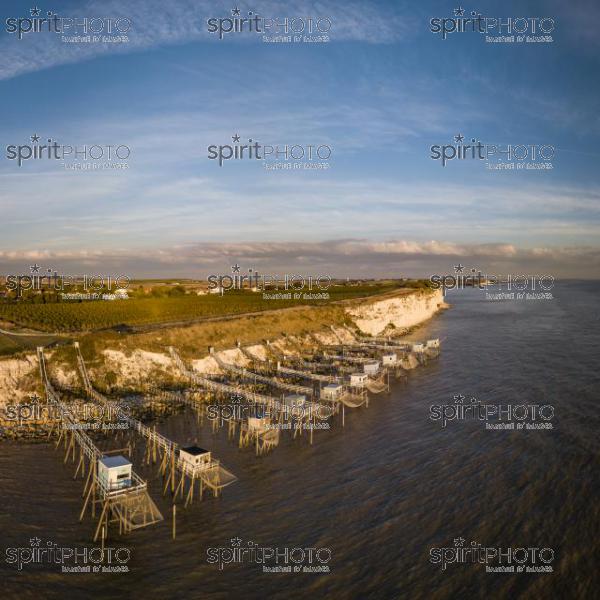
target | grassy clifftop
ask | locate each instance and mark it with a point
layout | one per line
(178, 308)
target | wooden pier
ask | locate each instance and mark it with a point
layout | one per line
(307, 374)
(256, 377)
(214, 476)
(131, 506)
(277, 409)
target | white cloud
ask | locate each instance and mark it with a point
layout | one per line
(350, 257)
(155, 22)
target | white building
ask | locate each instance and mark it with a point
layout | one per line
(217, 290)
(258, 424)
(294, 400)
(114, 472)
(332, 391)
(433, 344)
(371, 368)
(194, 456)
(418, 348)
(358, 379)
(389, 359)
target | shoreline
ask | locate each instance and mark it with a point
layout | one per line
(132, 368)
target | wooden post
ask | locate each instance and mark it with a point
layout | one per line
(173, 471)
(101, 521)
(79, 464)
(86, 501)
(174, 520)
(154, 442)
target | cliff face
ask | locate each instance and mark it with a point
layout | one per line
(370, 316)
(377, 317)
(13, 375)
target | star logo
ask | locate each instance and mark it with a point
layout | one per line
(35, 541)
(459, 138)
(459, 541)
(235, 268)
(34, 398)
(459, 12)
(35, 138)
(236, 541)
(458, 268)
(235, 12)
(35, 268)
(235, 138)
(35, 12)
(458, 399)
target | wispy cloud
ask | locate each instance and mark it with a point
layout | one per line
(144, 206)
(341, 258)
(158, 23)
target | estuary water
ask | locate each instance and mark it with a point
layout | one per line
(377, 495)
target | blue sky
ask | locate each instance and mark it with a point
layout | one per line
(380, 93)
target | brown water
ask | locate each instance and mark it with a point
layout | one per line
(378, 493)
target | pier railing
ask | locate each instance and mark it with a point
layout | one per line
(242, 372)
(308, 375)
(348, 358)
(82, 439)
(216, 476)
(153, 436)
(223, 388)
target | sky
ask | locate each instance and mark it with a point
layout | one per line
(379, 94)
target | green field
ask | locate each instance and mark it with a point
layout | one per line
(94, 315)
(10, 344)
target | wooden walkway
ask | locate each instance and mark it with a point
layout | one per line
(131, 507)
(214, 476)
(245, 374)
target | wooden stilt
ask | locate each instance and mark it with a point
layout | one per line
(172, 470)
(174, 521)
(87, 499)
(101, 521)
